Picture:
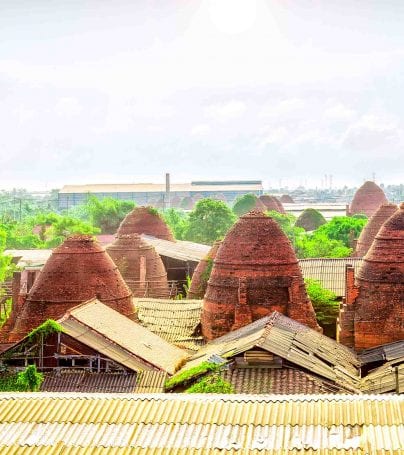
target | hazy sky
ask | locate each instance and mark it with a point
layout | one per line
(124, 91)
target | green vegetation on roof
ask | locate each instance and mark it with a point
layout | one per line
(192, 373)
(211, 384)
(47, 328)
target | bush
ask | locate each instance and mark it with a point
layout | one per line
(30, 379)
(211, 384)
(324, 302)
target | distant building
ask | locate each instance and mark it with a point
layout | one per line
(155, 193)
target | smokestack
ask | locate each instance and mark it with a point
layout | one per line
(168, 190)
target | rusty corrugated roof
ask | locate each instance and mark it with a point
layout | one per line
(172, 424)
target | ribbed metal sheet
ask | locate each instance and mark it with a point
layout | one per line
(121, 339)
(390, 351)
(113, 424)
(292, 341)
(180, 249)
(176, 321)
(329, 271)
(92, 382)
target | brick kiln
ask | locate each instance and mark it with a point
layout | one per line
(145, 220)
(367, 199)
(373, 313)
(286, 199)
(140, 265)
(77, 271)
(368, 234)
(255, 272)
(201, 274)
(272, 203)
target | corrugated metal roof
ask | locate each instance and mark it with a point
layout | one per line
(180, 249)
(329, 271)
(113, 424)
(121, 339)
(85, 381)
(176, 321)
(390, 351)
(387, 378)
(292, 341)
(158, 188)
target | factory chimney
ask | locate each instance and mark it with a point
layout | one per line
(167, 198)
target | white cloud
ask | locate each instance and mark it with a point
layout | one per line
(226, 111)
(68, 107)
(373, 133)
(283, 109)
(202, 129)
(339, 112)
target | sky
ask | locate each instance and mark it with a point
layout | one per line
(285, 91)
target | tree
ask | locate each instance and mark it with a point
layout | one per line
(324, 302)
(310, 219)
(177, 220)
(318, 245)
(30, 379)
(246, 203)
(343, 228)
(107, 213)
(209, 221)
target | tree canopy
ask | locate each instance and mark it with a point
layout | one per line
(343, 228)
(246, 203)
(209, 221)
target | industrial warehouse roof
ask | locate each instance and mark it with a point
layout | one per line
(176, 321)
(161, 187)
(180, 424)
(329, 271)
(180, 249)
(292, 341)
(121, 339)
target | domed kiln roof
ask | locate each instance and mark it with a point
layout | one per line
(373, 226)
(145, 220)
(384, 262)
(272, 203)
(367, 199)
(77, 271)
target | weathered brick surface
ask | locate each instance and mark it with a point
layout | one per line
(368, 234)
(127, 252)
(367, 199)
(272, 203)
(379, 307)
(78, 270)
(144, 220)
(286, 199)
(199, 278)
(255, 272)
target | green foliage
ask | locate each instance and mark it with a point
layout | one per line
(47, 328)
(287, 224)
(244, 204)
(192, 373)
(324, 302)
(187, 285)
(205, 275)
(209, 221)
(5, 261)
(4, 316)
(107, 213)
(177, 220)
(30, 379)
(9, 383)
(343, 228)
(310, 219)
(318, 245)
(211, 384)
